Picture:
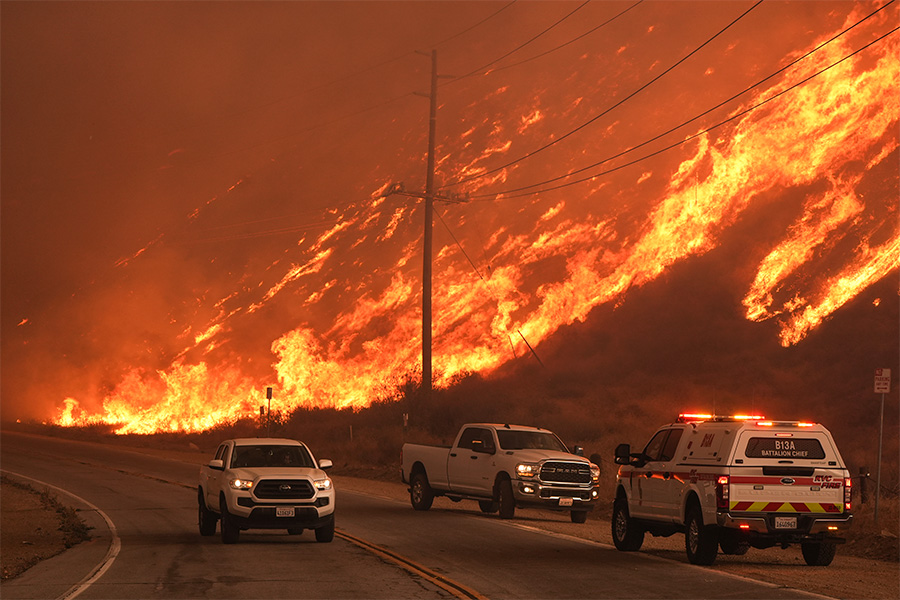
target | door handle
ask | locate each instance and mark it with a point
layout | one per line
(474, 457)
(453, 454)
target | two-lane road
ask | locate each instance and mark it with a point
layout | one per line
(388, 550)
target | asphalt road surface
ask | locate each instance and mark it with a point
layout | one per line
(143, 511)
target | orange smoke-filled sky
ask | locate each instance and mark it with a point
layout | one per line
(193, 194)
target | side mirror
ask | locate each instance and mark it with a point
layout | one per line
(217, 463)
(325, 463)
(639, 459)
(623, 454)
(578, 450)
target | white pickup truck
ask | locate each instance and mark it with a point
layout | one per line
(265, 483)
(502, 466)
(734, 482)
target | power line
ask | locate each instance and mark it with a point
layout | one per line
(704, 113)
(371, 67)
(484, 20)
(572, 41)
(508, 193)
(520, 46)
(605, 112)
(490, 291)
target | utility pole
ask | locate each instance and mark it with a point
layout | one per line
(429, 223)
(429, 197)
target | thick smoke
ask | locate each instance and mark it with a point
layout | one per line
(202, 206)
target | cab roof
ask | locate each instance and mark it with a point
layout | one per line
(502, 426)
(266, 442)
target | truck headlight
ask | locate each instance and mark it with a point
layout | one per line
(528, 470)
(322, 484)
(241, 484)
(595, 474)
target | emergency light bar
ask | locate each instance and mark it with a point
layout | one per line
(693, 417)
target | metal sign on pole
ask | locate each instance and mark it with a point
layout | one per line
(882, 386)
(269, 409)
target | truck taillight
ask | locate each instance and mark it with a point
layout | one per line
(722, 492)
(848, 488)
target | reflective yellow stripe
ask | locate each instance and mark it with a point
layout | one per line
(813, 507)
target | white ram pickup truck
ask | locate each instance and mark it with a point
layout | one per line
(502, 466)
(732, 483)
(265, 483)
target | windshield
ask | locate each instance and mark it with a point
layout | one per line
(271, 456)
(524, 440)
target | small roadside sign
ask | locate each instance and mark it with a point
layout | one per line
(882, 381)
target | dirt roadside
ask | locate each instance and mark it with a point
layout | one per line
(34, 526)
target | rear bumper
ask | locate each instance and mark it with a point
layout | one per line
(808, 526)
(557, 497)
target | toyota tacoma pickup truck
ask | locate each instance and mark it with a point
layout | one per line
(502, 467)
(731, 483)
(265, 483)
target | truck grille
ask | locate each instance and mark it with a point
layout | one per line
(283, 489)
(563, 472)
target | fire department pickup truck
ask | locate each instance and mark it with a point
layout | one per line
(733, 483)
(502, 466)
(265, 483)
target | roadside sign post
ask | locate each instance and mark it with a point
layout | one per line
(882, 386)
(269, 415)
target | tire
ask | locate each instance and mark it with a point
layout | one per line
(818, 554)
(732, 543)
(506, 499)
(421, 496)
(488, 506)
(206, 519)
(701, 542)
(230, 530)
(578, 516)
(325, 533)
(627, 535)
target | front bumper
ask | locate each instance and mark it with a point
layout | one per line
(249, 512)
(264, 516)
(808, 526)
(556, 496)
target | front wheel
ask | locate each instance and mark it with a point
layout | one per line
(507, 501)
(421, 496)
(700, 541)
(578, 516)
(627, 535)
(325, 533)
(206, 518)
(488, 506)
(230, 530)
(818, 554)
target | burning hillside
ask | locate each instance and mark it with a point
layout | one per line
(589, 173)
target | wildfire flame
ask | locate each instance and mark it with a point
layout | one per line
(829, 137)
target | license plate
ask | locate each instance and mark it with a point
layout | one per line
(284, 511)
(566, 502)
(785, 522)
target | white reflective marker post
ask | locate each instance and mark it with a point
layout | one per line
(882, 385)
